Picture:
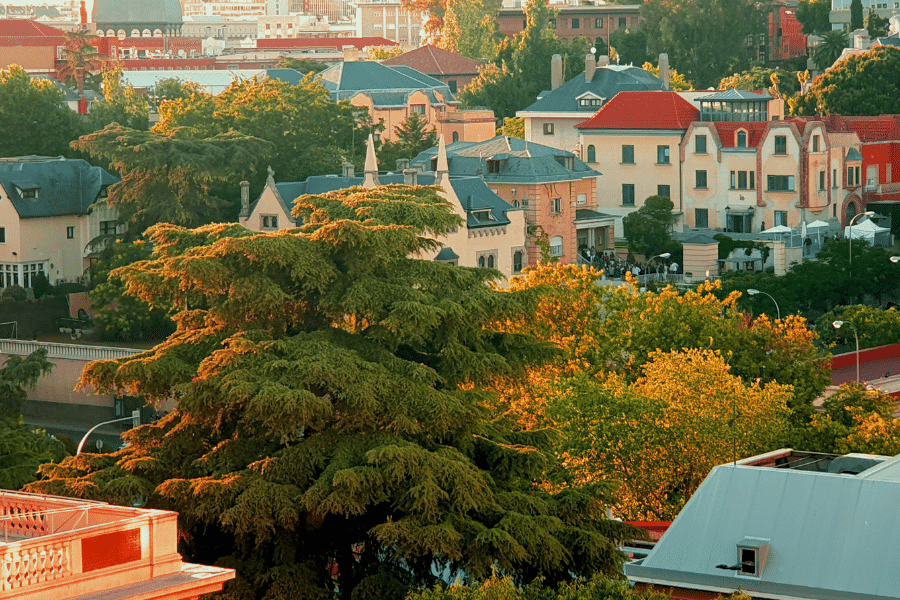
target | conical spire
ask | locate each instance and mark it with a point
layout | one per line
(371, 169)
(442, 168)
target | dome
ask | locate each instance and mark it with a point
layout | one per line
(137, 11)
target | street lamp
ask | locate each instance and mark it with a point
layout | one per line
(838, 325)
(868, 213)
(135, 419)
(663, 255)
(753, 292)
(895, 259)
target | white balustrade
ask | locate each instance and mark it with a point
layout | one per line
(70, 351)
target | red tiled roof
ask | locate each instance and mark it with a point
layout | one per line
(644, 110)
(436, 61)
(337, 43)
(727, 131)
(24, 32)
(869, 129)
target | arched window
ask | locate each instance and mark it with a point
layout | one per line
(490, 261)
(145, 33)
(157, 33)
(481, 261)
(850, 212)
(592, 154)
(135, 33)
(517, 261)
(455, 136)
(741, 139)
(111, 33)
(121, 34)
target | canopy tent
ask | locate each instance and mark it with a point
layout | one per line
(866, 230)
(778, 229)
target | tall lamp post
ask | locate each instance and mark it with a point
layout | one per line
(663, 255)
(838, 325)
(135, 419)
(753, 292)
(895, 259)
(868, 213)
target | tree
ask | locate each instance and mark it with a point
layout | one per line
(677, 82)
(760, 78)
(813, 15)
(861, 84)
(121, 105)
(330, 435)
(874, 326)
(829, 49)
(705, 39)
(301, 65)
(34, 106)
(513, 127)
(81, 56)
(631, 47)
(470, 28)
(22, 448)
(312, 134)
(661, 435)
(856, 15)
(876, 25)
(168, 177)
(413, 137)
(647, 228)
(385, 52)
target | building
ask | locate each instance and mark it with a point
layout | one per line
(634, 141)
(33, 46)
(225, 8)
(785, 524)
(455, 70)
(392, 94)
(51, 209)
(556, 190)
(223, 28)
(840, 11)
(136, 18)
(594, 22)
(389, 19)
(786, 38)
(551, 120)
(55, 547)
(492, 235)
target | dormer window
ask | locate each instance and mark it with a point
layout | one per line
(567, 161)
(27, 189)
(752, 554)
(741, 139)
(590, 100)
(482, 216)
(493, 166)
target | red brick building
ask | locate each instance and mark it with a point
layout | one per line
(588, 21)
(33, 46)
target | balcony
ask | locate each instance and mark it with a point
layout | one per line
(65, 548)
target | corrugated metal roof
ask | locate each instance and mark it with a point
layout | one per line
(830, 536)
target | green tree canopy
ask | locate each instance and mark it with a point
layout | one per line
(33, 117)
(330, 432)
(813, 16)
(414, 135)
(81, 56)
(630, 46)
(301, 65)
(121, 104)
(877, 26)
(760, 78)
(874, 326)
(705, 39)
(856, 15)
(829, 49)
(648, 228)
(861, 84)
(312, 135)
(169, 177)
(470, 28)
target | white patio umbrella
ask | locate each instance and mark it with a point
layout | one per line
(818, 225)
(778, 229)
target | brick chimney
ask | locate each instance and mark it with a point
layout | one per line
(590, 65)
(603, 61)
(351, 53)
(556, 73)
(664, 70)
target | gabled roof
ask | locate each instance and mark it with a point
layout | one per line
(386, 85)
(65, 186)
(518, 161)
(828, 524)
(25, 32)
(727, 130)
(853, 154)
(869, 129)
(644, 110)
(606, 83)
(729, 95)
(436, 61)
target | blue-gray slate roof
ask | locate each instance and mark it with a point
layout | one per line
(64, 186)
(386, 85)
(517, 161)
(606, 83)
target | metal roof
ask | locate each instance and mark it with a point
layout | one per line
(736, 95)
(830, 536)
(606, 83)
(391, 85)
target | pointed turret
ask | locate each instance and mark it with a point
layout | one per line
(371, 169)
(442, 169)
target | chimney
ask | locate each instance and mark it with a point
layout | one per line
(603, 61)
(351, 53)
(410, 177)
(348, 170)
(402, 164)
(556, 73)
(664, 70)
(245, 199)
(590, 65)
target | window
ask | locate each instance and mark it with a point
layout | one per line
(9, 276)
(849, 176)
(29, 193)
(663, 190)
(815, 143)
(417, 109)
(627, 194)
(490, 261)
(107, 227)
(743, 180)
(517, 261)
(733, 183)
(780, 218)
(576, 23)
(662, 155)
(481, 262)
(493, 166)
(581, 199)
(551, 23)
(453, 86)
(700, 144)
(781, 183)
(623, 23)
(741, 139)
(700, 180)
(627, 154)
(591, 154)
(270, 221)
(821, 181)
(548, 128)
(2, 235)
(29, 272)
(780, 144)
(556, 246)
(855, 175)
(455, 136)
(70, 232)
(555, 206)
(590, 101)
(701, 217)
(748, 562)
(834, 181)
(598, 23)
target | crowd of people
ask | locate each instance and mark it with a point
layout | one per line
(615, 268)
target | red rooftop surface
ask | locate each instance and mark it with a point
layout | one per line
(869, 129)
(727, 132)
(436, 61)
(25, 32)
(54, 547)
(337, 44)
(644, 110)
